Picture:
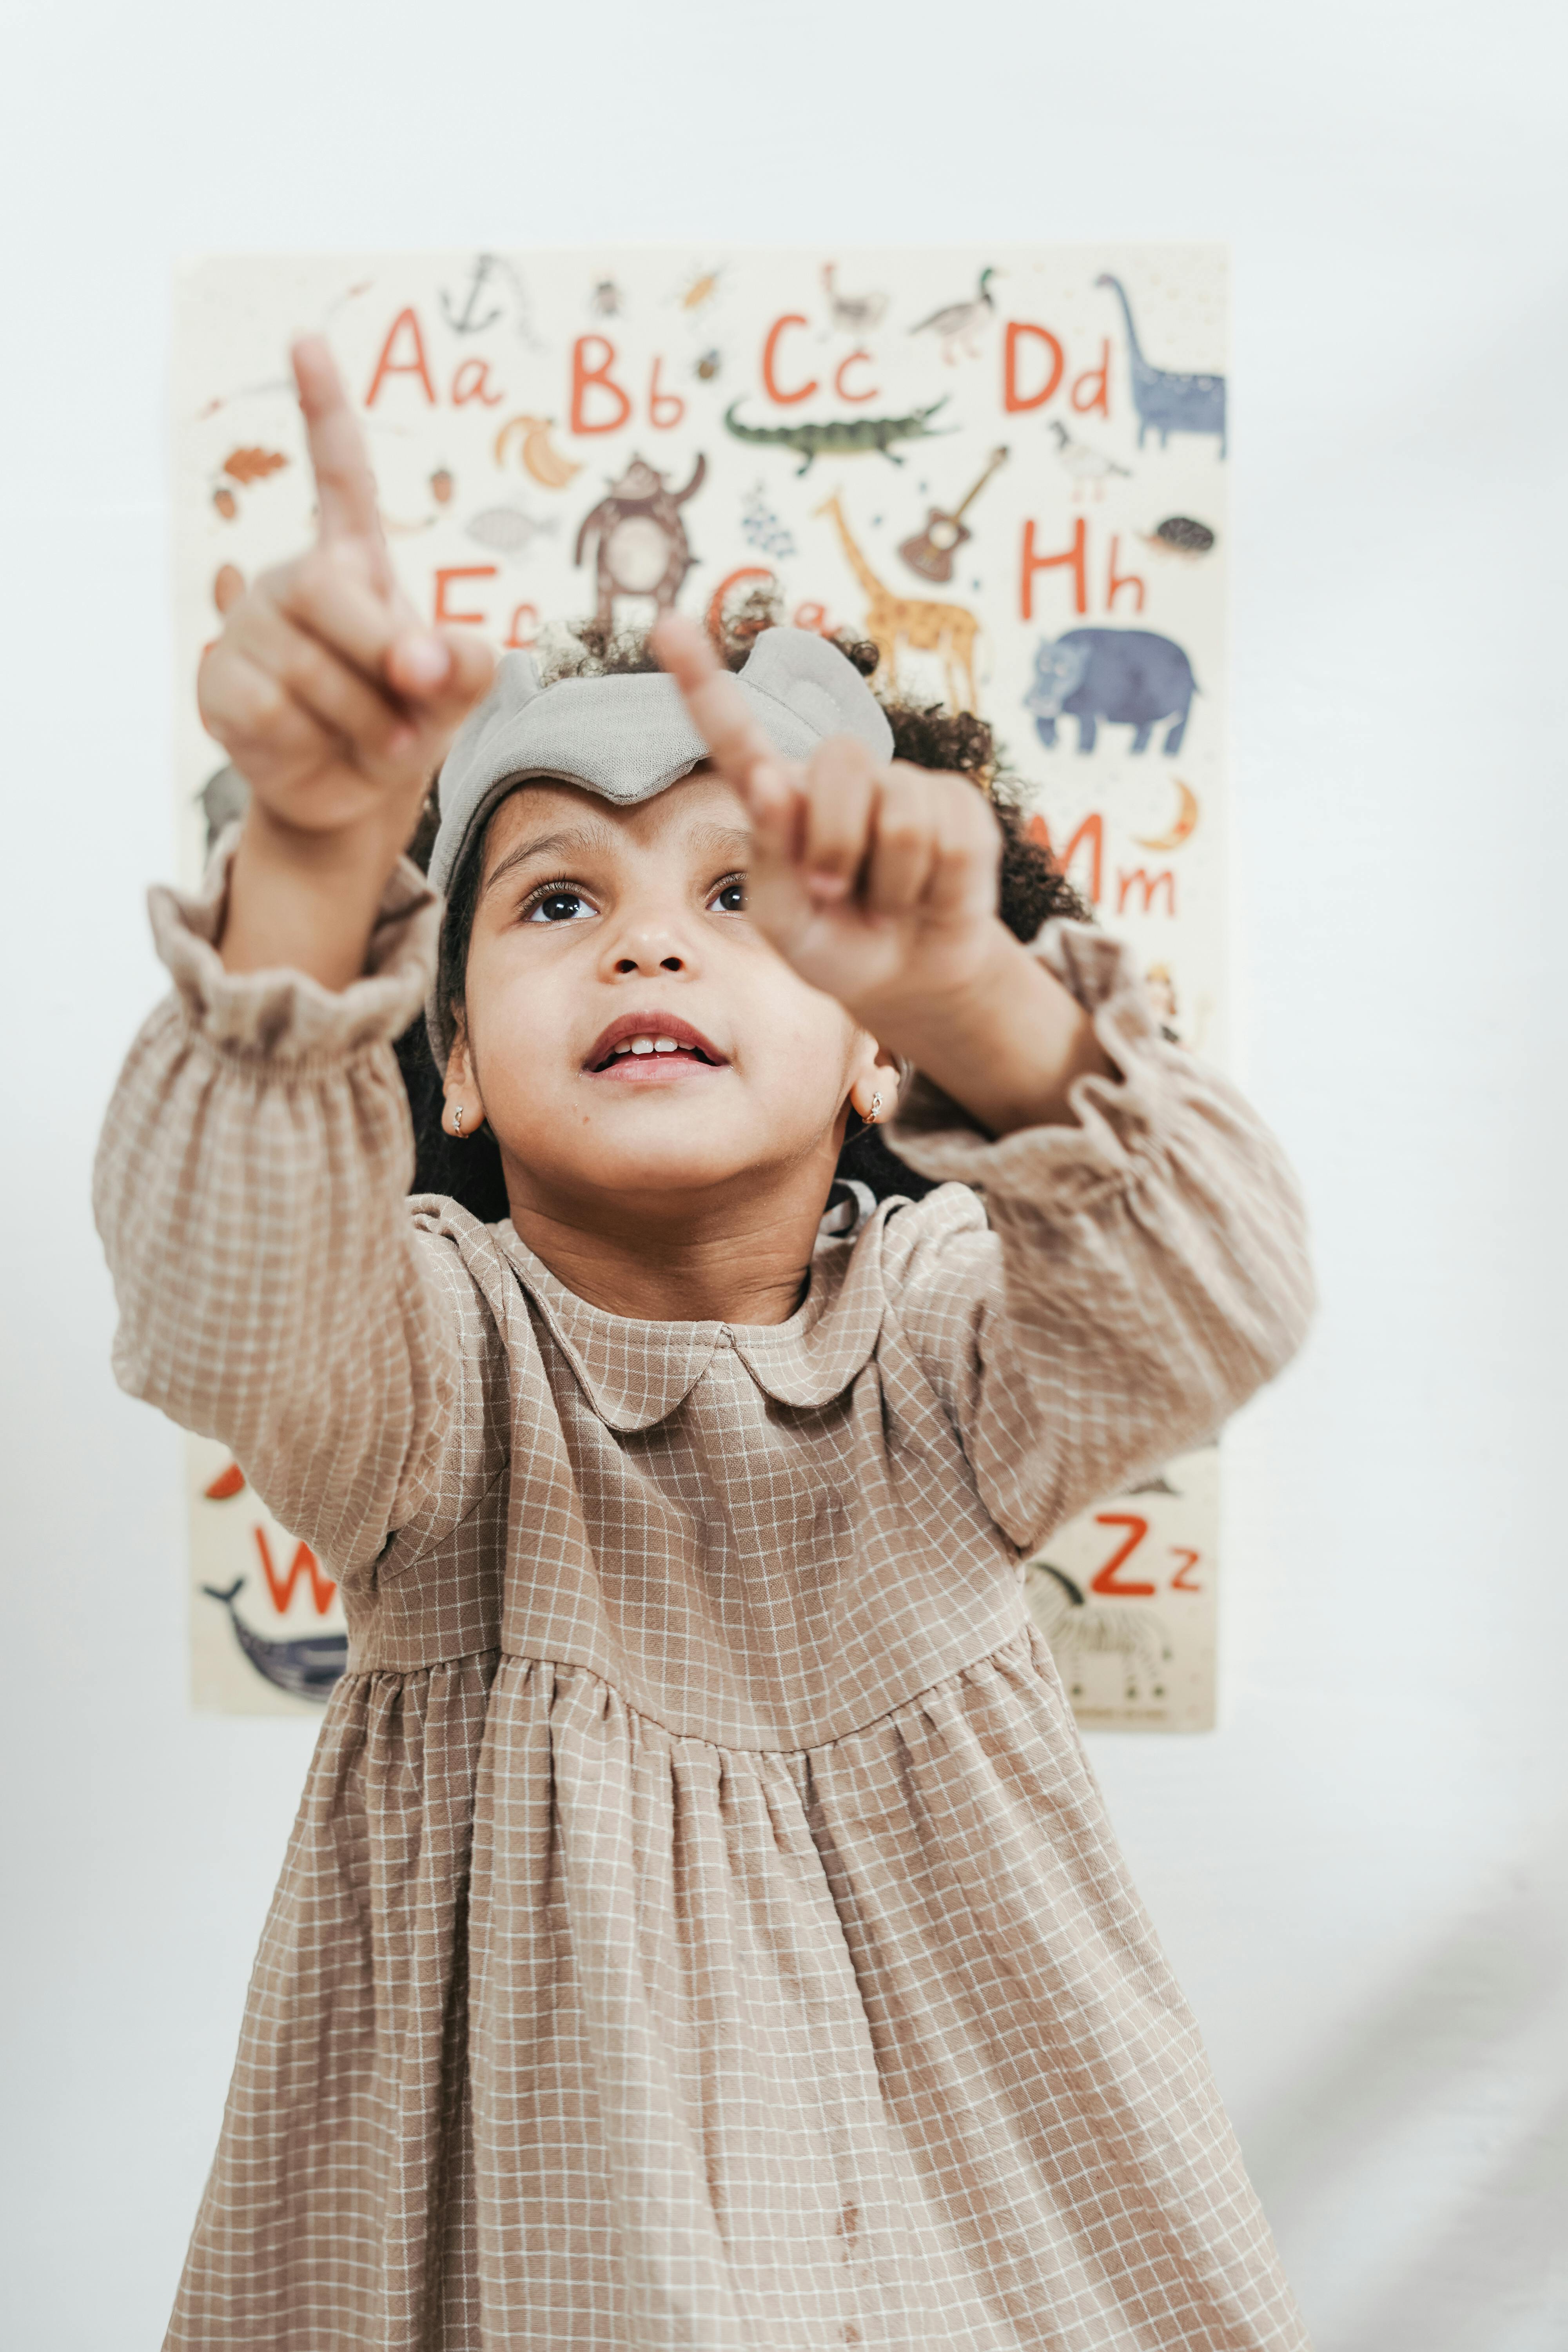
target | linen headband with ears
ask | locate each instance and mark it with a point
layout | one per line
(628, 738)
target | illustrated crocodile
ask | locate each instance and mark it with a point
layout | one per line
(841, 436)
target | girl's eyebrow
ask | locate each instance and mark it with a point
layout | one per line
(723, 840)
(716, 840)
(560, 843)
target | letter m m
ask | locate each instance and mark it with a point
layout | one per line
(1148, 883)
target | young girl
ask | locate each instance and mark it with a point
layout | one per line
(701, 1932)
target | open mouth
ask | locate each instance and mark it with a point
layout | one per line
(643, 1046)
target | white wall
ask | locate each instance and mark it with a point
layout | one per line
(1361, 1879)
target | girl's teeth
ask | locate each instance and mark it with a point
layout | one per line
(645, 1046)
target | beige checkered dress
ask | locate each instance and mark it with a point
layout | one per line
(701, 1932)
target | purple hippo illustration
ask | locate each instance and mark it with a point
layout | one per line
(1130, 676)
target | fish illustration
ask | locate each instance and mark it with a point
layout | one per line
(508, 530)
(305, 1668)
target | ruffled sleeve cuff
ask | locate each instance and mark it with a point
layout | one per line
(285, 1017)
(1121, 1124)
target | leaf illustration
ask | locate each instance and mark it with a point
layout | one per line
(252, 465)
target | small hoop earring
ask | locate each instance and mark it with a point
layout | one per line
(875, 1113)
(458, 1122)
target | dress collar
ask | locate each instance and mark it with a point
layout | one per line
(636, 1373)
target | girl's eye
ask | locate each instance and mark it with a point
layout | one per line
(559, 907)
(730, 898)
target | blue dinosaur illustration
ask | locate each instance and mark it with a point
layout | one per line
(1130, 678)
(1167, 402)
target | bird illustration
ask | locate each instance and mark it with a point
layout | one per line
(1084, 464)
(957, 323)
(857, 314)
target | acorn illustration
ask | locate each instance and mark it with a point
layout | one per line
(226, 503)
(441, 485)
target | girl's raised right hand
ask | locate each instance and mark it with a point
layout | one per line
(337, 705)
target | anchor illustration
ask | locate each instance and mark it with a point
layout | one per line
(464, 321)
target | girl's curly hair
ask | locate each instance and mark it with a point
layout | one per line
(1030, 890)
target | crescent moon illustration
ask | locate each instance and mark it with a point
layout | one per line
(1187, 822)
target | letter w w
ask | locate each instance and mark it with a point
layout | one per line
(304, 1563)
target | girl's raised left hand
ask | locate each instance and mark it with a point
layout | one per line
(878, 882)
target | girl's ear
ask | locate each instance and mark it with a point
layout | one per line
(874, 1086)
(463, 1109)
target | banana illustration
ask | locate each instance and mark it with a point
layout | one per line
(540, 458)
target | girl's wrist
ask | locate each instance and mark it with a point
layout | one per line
(939, 995)
(999, 1034)
(304, 900)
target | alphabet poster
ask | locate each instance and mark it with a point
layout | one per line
(1004, 465)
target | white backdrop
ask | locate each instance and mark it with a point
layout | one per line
(1361, 1878)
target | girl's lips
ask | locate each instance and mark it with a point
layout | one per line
(656, 1069)
(610, 1055)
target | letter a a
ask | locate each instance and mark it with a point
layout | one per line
(387, 365)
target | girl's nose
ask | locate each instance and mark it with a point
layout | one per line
(648, 945)
(630, 963)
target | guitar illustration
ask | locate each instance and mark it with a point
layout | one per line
(932, 551)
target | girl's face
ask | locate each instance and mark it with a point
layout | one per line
(628, 1034)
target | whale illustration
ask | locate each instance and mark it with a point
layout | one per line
(305, 1668)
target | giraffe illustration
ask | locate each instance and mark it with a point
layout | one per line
(919, 623)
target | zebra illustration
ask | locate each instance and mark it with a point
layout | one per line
(1078, 1629)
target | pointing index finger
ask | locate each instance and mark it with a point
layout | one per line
(345, 487)
(740, 751)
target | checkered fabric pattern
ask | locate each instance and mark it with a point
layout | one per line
(701, 1932)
